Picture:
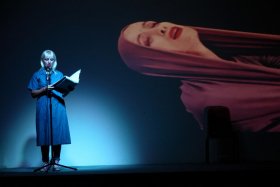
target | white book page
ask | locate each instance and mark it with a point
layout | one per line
(75, 77)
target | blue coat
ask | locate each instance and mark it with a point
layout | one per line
(61, 133)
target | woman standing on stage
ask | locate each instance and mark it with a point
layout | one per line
(39, 87)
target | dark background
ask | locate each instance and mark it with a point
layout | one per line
(116, 115)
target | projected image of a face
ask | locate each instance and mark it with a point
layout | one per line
(164, 36)
(216, 68)
(167, 36)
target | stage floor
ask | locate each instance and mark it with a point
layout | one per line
(220, 174)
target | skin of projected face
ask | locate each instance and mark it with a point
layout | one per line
(164, 36)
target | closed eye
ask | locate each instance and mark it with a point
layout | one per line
(144, 39)
(150, 24)
(147, 40)
(153, 24)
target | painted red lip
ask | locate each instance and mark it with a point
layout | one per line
(175, 32)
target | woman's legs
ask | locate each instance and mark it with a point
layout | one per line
(56, 152)
(45, 157)
(45, 152)
(56, 156)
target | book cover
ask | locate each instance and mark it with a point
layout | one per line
(67, 84)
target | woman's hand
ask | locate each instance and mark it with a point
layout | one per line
(50, 87)
(42, 91)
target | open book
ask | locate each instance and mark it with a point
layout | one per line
(67, 84)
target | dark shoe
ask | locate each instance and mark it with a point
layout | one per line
(56, 167)
(46, 167)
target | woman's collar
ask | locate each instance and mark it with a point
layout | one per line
(43, 72)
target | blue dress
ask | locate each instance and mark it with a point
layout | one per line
(61, 133)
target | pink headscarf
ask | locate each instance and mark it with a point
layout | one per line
(246, 86)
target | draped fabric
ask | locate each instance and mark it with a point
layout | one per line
(249, 85)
